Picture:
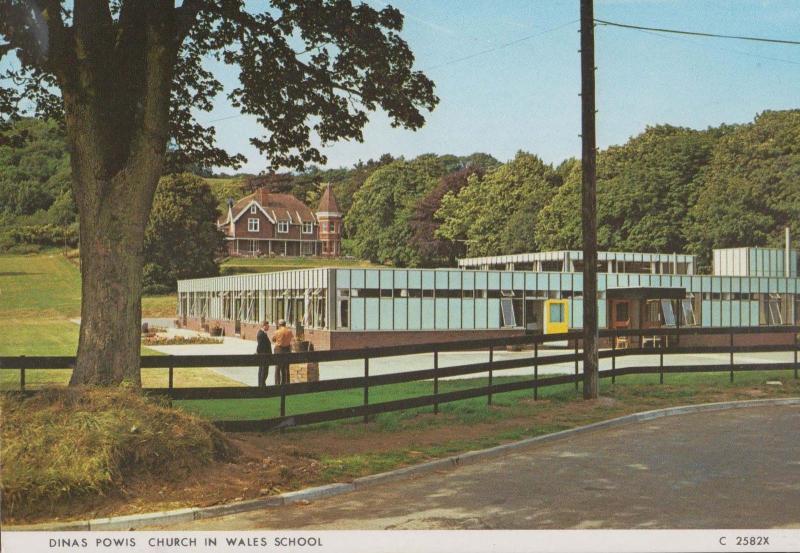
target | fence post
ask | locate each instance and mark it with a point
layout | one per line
(491, 360)
(576, 365)
(731, 345)
(22, 376)
(283, 390)
(435, 382)
(366, 387)
(661, 361)
(613, 357)
(171, 376)
(795, 355)
(536, 371)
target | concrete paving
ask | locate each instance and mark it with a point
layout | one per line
(353, 368)
(724, 469)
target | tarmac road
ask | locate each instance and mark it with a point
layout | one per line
(735, 468)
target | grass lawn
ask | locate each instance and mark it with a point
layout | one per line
(39, 294)
(151, 378)
(676, 387)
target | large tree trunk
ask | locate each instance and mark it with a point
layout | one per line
(111, 283)
(117, 117)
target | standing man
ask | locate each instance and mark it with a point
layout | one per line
(283, 344)
(263, 348)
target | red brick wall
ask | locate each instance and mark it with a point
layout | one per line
(325, 339)
(266, 229)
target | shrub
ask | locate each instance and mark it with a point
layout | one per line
(68, 444)
(38, 235)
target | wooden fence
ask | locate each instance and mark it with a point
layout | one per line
(660, 339)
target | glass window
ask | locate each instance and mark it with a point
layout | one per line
(283, 226)
(774, 315)
(507, 308)
(308, 228)
(669, 312)
(253, 209)
(622, 311)
(688, 312)
(253, 225)
(556, 312)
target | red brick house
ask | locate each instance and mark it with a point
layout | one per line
(267, 223)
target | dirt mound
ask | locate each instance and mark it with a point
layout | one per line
(62, 447)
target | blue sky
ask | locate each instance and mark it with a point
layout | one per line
(525, 96)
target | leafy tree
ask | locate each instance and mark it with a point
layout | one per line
(181, 240)
(127, 77)
(433, 250)
(379, 220)
(499, 212)
(644, 191)
(34, 166)
(750, 189)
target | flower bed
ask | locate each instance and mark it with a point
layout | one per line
(160, 340)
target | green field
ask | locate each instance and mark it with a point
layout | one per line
(39, 294)
(239, 265)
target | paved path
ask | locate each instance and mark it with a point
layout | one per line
(354, 368)
(726, 469)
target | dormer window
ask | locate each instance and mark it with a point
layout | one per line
(253, 225)
(283, 226)
(308, 228)
(253, 210)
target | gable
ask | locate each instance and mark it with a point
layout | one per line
(247, 210)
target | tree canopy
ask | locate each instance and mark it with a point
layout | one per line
(498, 213)
(34, 169)
(128, 78)
(181, 240)
(750, 189)
(645, 189)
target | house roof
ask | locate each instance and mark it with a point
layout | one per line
(278, 207)
(327, 204)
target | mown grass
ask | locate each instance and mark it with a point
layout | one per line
(240, 265)
(39, 294)
(475, 410)
(151, 378)
(64, 444)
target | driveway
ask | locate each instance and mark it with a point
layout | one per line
(726, 469)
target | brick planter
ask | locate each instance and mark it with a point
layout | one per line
(304, 372)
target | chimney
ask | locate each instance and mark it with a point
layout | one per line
(787, 261)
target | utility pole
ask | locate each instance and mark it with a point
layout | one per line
(589, 204)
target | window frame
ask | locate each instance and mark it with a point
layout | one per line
(250, 226)
(283, 225)
(309, 226)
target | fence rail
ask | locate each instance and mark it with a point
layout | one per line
(788, 336)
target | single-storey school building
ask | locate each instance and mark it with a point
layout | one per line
(503, 295)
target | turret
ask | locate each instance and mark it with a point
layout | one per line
(330, 224)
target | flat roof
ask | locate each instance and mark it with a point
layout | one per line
(575, 255)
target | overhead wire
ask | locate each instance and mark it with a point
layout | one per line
(696, 33)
